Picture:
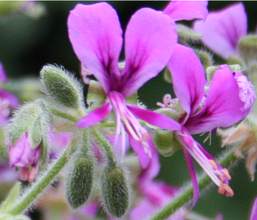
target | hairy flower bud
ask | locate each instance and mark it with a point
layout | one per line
(115, 191)
(79, 181)
(61, 86)
(205, 57)
(166, 142)
(248, 48)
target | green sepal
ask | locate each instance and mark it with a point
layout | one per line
(11, 197)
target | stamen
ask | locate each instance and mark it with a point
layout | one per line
(226, 190)
(246, 91)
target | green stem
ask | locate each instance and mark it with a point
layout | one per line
(26, 200)
(105, 145)
(186, 195)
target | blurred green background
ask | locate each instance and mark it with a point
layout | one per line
(27, 44)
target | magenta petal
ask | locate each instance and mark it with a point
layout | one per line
(95, 116)
(187, 77)
(3, 77)
(96, 37)
(229, 100)
(154, 118)
(222, 30)
(11, 98)
(192, 173)
(143, 157)
(254, 210)
(149, 42)
(187, 10)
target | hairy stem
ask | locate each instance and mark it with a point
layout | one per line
(64, 115)
(186, 195)
(27, 199)
(105, 145)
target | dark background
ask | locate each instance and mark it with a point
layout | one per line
(27, 44)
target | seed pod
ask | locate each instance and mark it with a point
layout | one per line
(115, 191)
(79, 181)
(61, 86)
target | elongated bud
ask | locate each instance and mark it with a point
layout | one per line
(248, 48)
(187, 34)
(167, 75)
(115, 191)
(62, 86)
(79, 181)
(166, 142)
(205, 57)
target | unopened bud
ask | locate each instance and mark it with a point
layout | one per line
(187, 34)
(166, 142)
(96, 94)
(167, 75)
(79, 181)
(62, 86)
(115, 191)
(248, 48)
(205, 57)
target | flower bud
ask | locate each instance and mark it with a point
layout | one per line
(248, 48)
(79, 181)
(166, 142)
(26, 133)
(167, 75)
(115, 191)
(205, 57)
(187, 34)
(96, 94)
(62, 86)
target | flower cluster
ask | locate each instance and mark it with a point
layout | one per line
(94, 135)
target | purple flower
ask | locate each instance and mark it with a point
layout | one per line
(222, 30)
(7, 100)
(254, 210)
(96, 37)
(187, 10)
(225, 101)
(26, 157)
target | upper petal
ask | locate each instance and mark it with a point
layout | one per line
(149, 42)
(254, 210)
(154, 118)
(95, 116)
(96, 37)
(3, 77)
(187, 77)
(229, 100)
(187, 10)
(222, 30)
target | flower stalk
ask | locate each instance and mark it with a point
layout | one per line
(227, 160)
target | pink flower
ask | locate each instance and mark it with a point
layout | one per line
(222, 30)
(228, 100)
(187, 10)
(254, 211)
(96, 37)
(7, 100)
(26, 157)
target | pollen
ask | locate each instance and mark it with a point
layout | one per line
(246, 91)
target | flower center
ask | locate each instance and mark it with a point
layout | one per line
(130, 122)
(246, 91)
